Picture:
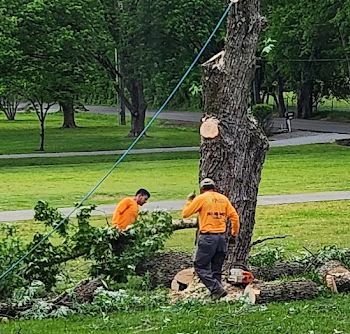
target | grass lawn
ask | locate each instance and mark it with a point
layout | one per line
(95, 132)
(320, 316)
(63, 181)
(313, 225)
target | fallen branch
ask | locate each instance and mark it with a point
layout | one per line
(260, 241)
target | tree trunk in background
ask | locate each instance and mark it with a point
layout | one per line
(235, 157)
(304, 105)
(139, 106)
(256, 86)
(280, 99)
(68, 113)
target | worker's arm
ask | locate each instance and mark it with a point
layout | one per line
(191, 207)
(233, 216)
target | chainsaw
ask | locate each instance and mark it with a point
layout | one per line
(239, 274)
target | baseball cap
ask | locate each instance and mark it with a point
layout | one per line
(207, 182)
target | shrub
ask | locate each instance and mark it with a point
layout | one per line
(263, 115)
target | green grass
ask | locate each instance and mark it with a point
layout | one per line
(95, 132)
(322, 316)
(63, 181)
(312, 225)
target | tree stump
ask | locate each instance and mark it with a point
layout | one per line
(262, 293)
(182, 279)
(335, 276)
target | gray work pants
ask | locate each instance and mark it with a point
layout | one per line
(209, 259)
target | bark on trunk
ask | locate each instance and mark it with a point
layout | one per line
(304, 105)
(164, 266)
(280, 270)
(234, 159)
(42, 135)
(280, 291)
(335, 276)
(68, 114)
(280, 99)
(139, 106)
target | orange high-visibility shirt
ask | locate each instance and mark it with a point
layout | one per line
(125, 213)
(214, 209)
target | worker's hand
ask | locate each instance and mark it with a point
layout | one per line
(233, 239)
(191, 196)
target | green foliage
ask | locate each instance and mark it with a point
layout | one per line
(267, 257)
(45, 258)
(51, 217)
(11, 248)
(144, 238)
(263, 114)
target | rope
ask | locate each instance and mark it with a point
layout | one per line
(126, 152)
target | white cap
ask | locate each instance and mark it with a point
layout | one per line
(207, 182)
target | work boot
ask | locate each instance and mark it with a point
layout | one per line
(218, 294)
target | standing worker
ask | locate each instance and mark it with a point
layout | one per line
(214, 210)
(127, 209)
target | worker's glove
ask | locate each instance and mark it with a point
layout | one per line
(191, 196)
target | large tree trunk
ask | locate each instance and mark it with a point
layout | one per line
(68, 113)
(139, 107)
(235, 157)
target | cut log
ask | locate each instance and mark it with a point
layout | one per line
(262, 293)
(279, 270)
(182, 279)
(335, 276)
(163, 267)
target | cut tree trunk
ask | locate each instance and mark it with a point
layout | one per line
(68, 113)
(335, 276)
(163, 267)
(279, 270)
(235, 157)
(262, 293)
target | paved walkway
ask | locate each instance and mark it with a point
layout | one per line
(300, 138)
(9, 216)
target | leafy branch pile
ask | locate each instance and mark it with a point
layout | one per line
(113, 255)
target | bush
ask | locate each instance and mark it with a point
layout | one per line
(263, 115)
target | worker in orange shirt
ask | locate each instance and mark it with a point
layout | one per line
(127, 209)
(214, 210)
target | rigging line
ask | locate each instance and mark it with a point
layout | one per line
(121, 158)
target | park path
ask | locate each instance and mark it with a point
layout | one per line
(297, 138)
(176, 205)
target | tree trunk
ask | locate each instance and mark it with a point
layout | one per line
(258, 78)
(42, 134)
(280, 99)
(139, 106)
(262, 293)
(235, 157)
(304, 105)
(68, 113)
(335, 276)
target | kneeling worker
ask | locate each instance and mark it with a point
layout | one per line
(127, 209)
(214, 210)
